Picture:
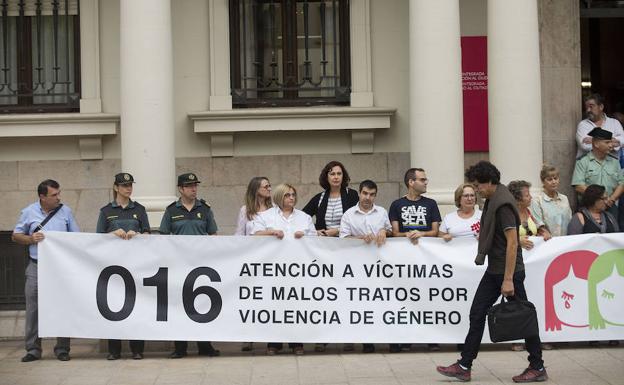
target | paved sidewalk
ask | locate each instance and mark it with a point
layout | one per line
(574, 364)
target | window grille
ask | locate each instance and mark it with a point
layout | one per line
(40, 56)
(289, 52)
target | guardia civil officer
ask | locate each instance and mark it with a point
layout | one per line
(124, 218)
(189, 216)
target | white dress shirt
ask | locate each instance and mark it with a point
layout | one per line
(357, 223)
(274, 219)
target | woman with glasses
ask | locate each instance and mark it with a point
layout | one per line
(257, 200)
(465, 221)
(529, 227)
(124, 218)
(284, 220)
(593, 217)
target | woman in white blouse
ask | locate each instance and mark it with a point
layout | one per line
(466, 221)
(284, 220)
(257, 200)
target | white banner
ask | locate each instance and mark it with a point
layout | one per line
(227, 288)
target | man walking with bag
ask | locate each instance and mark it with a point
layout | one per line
(498, 240)
(46, 214)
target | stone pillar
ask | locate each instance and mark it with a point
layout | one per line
(147, 127)
(514, 95)
(436, 123)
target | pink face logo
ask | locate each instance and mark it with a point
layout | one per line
(565, 287)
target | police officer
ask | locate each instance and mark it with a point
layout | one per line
(189, 216)
(124, 218)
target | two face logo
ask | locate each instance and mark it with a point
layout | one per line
(582, 289)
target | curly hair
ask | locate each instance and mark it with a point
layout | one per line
(515, 188)
(483, 172)
(592, 194)
(323, 178)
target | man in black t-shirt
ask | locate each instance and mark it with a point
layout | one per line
(414, 216)
(499, 240)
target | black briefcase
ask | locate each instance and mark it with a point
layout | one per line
(513, 319)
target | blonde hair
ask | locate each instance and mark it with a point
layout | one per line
(459, 191)
(548, 170)
(280, 191)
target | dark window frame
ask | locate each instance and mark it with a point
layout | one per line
(289, 58)
(25, 98)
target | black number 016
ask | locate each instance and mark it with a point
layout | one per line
(159, 280)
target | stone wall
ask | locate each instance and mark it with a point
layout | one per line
(559, 25)
(86, 185)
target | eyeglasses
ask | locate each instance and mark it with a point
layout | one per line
(290, 195)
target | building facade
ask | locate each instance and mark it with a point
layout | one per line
(163, 87)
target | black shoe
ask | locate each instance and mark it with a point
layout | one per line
(368, 348)
(63, 356)
(212, 352)
(177, 354)
(137, 356)
(395, 348)
(113, 356)
(30, 358)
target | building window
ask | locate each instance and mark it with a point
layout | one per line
(13, 261)
(289, 52)
(40, 56)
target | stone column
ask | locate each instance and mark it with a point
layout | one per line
(147, 127)
(436, 123)
(514, 95)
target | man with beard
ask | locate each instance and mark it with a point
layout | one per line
(594, 110)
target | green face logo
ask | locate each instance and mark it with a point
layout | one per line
(606, 290)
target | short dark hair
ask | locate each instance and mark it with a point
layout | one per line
(369, 184)
(515, 188)
(42, 189)
(597, 98)
(323, 177)
(411, 174)
(483, 172)
(592, 194)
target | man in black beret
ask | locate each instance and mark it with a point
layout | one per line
(597, 167)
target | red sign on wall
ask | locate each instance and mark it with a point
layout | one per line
(475, 84)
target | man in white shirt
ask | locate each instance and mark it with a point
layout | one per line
(594, 110)
(366, 220)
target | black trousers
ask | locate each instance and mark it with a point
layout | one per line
(136, 346)
(202, 346)
(487, 294)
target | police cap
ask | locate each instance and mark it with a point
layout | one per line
(124, 178)
(188, 178)
(599, 133)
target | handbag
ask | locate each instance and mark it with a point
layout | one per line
(512, 319)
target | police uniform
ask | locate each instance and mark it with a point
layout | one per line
(178, 220)
(132, 217)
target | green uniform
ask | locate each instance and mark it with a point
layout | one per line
(178, 220)
(588, 170)
(132, 217)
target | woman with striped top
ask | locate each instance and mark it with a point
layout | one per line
(328, 206)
